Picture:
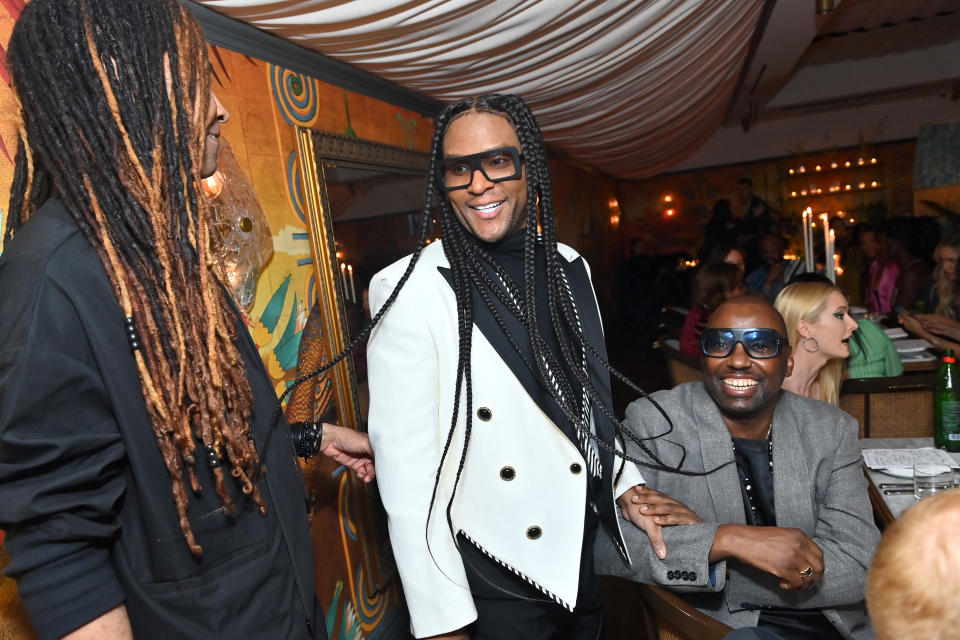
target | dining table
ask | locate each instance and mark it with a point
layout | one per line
(887, 507)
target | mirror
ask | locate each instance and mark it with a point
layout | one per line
(362, 202)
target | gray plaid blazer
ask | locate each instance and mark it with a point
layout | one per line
(819, 488)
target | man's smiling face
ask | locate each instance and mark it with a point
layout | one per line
(491, 211)
(743, 386)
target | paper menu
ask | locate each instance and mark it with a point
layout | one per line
(906, 458)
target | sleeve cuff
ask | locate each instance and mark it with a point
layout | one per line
(630, 478)
(69, 592)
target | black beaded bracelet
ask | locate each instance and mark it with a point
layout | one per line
(306, 438)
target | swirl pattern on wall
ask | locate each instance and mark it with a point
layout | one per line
(295, 187)
(370, 609)
(295, 94)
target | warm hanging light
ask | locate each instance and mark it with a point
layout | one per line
(668, 198)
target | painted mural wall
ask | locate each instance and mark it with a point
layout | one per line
(266, 103)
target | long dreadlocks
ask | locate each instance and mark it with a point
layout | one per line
(467, 257)
(113, 112)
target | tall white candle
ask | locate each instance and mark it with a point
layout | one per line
(806, 241)
(833, 257)
(353, 290)
(343, 278)
(828, 257)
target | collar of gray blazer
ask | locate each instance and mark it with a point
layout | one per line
(789, 456)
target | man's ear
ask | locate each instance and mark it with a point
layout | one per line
(789, 368)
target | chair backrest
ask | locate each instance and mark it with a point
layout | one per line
(674, 619)
(896, 407)
(680, 367)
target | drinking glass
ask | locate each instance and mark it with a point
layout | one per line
(930, 479)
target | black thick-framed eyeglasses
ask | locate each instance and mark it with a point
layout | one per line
(496, 165)
(758, 343)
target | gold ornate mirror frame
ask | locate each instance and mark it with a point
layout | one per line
(316, 150)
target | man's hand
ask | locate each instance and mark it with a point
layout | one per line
(651, 510)
(780, 551)
(350, 448)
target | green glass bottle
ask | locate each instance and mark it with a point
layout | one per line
(946, 405)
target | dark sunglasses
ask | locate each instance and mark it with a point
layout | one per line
(496, 165)
(758, 343)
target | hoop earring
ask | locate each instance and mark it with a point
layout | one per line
(816, 345)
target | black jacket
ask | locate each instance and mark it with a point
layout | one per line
(85, 498)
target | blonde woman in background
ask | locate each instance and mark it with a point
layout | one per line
(819, 327)
(941, 328)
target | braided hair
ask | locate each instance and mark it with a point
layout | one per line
(114, 122)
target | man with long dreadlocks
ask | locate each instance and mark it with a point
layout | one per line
(139, 494)
(490, 397)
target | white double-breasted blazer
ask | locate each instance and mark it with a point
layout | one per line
(522, 489)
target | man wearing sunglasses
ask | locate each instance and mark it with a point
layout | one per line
(778, 532)
(489, 401)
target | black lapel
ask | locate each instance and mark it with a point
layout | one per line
(593, 333)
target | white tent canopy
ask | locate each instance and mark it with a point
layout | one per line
(634, 88)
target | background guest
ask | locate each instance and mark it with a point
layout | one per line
(721, 228)
(712, 286)
(872, 352)
(880, 276)
(819, 327)
(910, 243)
(775, 272)
(941, 328)
(944, 299)
(755, 223)
(915, 574)
(730, 253)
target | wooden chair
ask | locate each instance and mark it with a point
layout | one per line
(895, 407)
(637, 611)
(680, 367)
(674, 619)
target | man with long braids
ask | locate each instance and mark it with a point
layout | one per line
(490, 398)
(141, 490)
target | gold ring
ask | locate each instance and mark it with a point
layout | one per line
(806, 573)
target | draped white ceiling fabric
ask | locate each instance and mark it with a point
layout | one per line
(629, 87)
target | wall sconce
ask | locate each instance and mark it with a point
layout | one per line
(614, 211)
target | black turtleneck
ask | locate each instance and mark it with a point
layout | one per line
(509, 254)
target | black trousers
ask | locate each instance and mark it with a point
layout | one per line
(509, 608)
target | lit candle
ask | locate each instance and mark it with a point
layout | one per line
(806, 240)
(343, 278)
(353, 290)
(826, 243)
(834, 257)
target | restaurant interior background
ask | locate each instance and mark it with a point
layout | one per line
(875, 83)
